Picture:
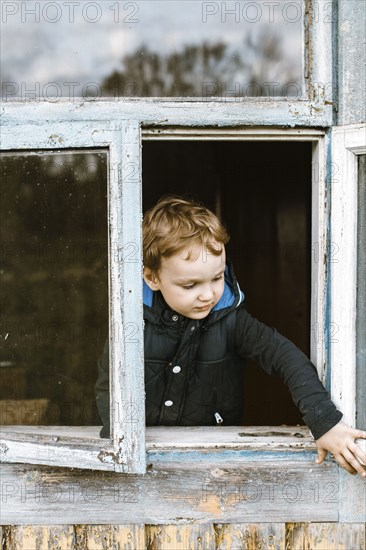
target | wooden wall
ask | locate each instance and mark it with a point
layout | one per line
(260, 536)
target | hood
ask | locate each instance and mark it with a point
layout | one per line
(231, 298)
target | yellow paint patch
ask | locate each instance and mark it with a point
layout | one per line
(211, 504)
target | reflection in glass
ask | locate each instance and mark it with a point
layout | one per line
(54, 285)
(188, 48)
(361, 296)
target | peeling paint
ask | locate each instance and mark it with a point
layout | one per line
(112, 457)
(3, 450)
(56, 139)
(277, 112)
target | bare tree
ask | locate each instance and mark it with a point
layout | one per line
(257, 67)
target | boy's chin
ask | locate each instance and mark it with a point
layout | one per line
(199, 314)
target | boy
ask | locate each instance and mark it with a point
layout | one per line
(198, 333)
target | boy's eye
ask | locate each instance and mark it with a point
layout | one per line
(189, 287)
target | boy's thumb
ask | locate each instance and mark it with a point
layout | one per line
(322, 454)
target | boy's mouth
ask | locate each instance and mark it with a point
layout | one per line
(204, 308)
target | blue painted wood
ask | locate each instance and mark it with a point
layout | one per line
(251, 112)
(243, 456)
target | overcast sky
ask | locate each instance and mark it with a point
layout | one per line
(84, 41)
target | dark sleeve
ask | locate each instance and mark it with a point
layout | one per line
(278, 355)
(102, 390)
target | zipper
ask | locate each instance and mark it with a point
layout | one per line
(218, 418)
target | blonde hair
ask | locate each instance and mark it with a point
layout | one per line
(175, 224)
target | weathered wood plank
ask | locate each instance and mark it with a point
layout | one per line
(57, 135)
(55, 454)
(269, 536)
(347, 143)
(176, 437)
(297, 536)
(83, 435)
(325, 536)
(129, 537)
(126, 357)
(319, 51)
(231, 492)
(60, 135)
(31, 537)
(319, 270)
(352, 498)
(181, 537)
(235, 134)
(251, 536)
(250, 111)
(81, 447)
(93, 537)
(106, 537)
(229, 437)
(344, 280)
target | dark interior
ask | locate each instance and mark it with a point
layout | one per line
(54, 263)
(262, 191)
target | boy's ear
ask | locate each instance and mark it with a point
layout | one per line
(151, 279)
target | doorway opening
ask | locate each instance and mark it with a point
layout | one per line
(262, 192)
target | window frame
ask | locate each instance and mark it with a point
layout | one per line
(347, 143)
(126, 451)
(117, 124)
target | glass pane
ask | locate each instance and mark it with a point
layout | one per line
(152, 48)
(361, 296)
(54, 285)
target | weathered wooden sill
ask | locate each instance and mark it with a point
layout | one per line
(229, 437)
(174, 438)
(201, 474)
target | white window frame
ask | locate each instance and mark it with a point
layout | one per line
(347, 143)
(67, 446)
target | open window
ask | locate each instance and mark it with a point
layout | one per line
(70, 239)
(119, 151)
(240, 174)
(262, 191)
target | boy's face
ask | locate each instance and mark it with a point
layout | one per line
(191, 284)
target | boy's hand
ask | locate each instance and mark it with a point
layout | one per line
(340, 442)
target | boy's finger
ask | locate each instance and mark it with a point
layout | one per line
(360, 433)
(359, 454)
(360, 450)
(322, 454)
(354, 462)
(342, 462)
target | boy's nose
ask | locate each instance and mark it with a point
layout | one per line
(206, 294)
